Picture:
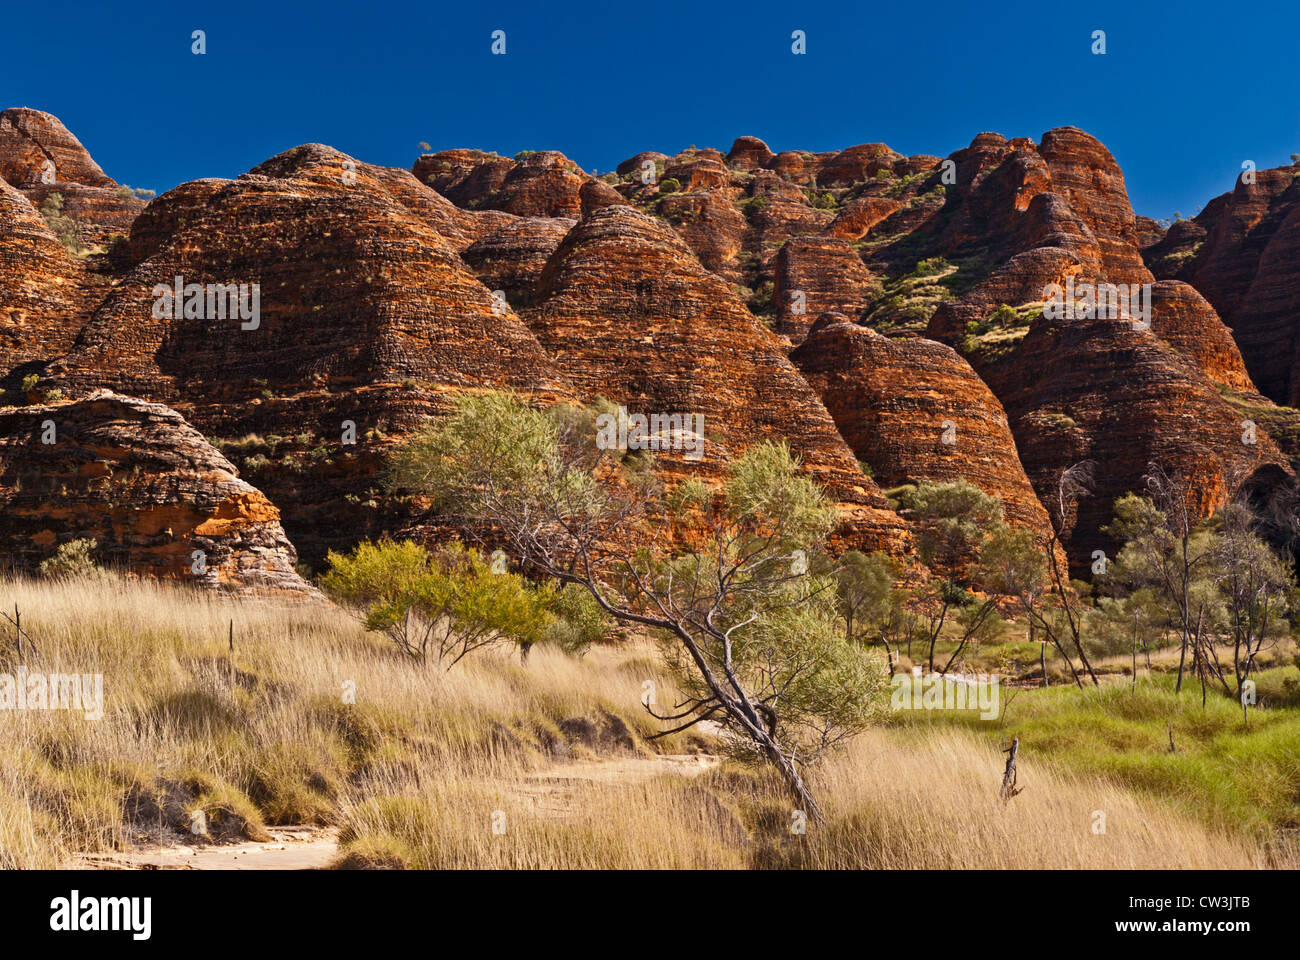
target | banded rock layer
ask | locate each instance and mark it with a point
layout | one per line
(145, 485)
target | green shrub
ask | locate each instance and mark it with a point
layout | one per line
(445, 603)
(578, 621)
(930, 267)
(670, 185)
(71, 561)
(1004, 316)
(61, 225)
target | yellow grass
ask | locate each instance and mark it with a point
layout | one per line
(470, 768)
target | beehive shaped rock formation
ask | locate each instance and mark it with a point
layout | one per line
(154, 495)
(629, 314)
(915, 411)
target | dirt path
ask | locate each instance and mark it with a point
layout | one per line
(290, 848)
(549, 792)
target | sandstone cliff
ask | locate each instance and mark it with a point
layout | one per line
(629, 314)
(677, 284)
(914, 410)
(1240, 252)
(143, 483)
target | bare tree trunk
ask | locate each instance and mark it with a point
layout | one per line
(1009, 788)
(1135, 651)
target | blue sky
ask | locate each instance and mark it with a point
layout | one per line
(1184, 94)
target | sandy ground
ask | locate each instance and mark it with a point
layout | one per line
(549, 791)
(291, 848)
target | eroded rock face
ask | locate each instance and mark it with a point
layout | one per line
(540, 184)
(367, 318)
(915, 410)
(1100, 390)
(1185, 320)
(815, 275)
(511, 258)
(144, 484)
(41, 290)
(376, 307)
(29, 138)
(748, 153)
(629, 314)
(353, 289)
(1240, 252)
(1087, 176)
(40, 156)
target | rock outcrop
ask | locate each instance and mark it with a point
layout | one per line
(36, 148)
(366, 318)
(1101, 390)
(914, 410)
(677, 285)
(1242, 252)
(629, 314)
(816, 275)
(42, 300)
(135, 477)
(41, 157)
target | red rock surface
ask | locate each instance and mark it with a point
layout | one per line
(377, 306)
(367, 315)
(540, 184)
(629, 314)
(815, 275)
(1100, 390)
(1087, 176)
(144, 484)
(1185, 320)
(511, 258)
(40, 156)
(28, 138)
(41, 289)
(1242, 253)
(748, 153)
(893, 400)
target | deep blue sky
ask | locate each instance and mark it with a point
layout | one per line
(1185, 93)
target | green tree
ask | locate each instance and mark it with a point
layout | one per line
(1173, 555)
(955, 518)
(1256, 586)
(725, 577)
(60, 224)
(868, 600)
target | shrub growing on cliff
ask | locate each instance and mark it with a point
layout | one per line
(723, 577)
(443, 604)
(61, 225)
(670, 185)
